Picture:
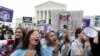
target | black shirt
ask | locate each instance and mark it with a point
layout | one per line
(95, 48)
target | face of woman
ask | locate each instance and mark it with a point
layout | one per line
(19, 33)
(1, 33)
(52, 37)
(8, 33)
(81, 35)
(34, 38)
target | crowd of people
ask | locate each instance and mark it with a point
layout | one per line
(38, 43)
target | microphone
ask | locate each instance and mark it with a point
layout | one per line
(6, 42)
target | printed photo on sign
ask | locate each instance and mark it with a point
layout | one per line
(6, 14)
(27, 19)
(41, 22)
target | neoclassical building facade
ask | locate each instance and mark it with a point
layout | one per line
(44, 11)
(49, 11)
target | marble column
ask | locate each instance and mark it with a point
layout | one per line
(39, 15)
(47, 18)
(43, 15)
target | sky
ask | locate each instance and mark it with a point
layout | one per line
(27, 7)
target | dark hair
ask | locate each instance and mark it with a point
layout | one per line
(47, 34)
(78, 31)
(16, 40)
(66, 38)
(10, 30)
(26, 42)
(47, 37)
(2, 37)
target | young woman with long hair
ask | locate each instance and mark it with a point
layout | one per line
(30, 46)
(19, 37)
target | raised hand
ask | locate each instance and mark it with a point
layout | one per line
(57, 44)
(87, 44)
(30, 53)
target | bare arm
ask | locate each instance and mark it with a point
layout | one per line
(65, 51)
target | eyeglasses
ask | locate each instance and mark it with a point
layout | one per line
(18, 32)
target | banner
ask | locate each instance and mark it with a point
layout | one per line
(27, 19)
(64, 16)
(47, 28)
(41, 22)
(72, 19)
(6, 14)
(86, 22)
(97, 21)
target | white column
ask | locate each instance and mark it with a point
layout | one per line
(50, 14)
(43, 15)
(39, 15)
(45, 12)
(47, 19)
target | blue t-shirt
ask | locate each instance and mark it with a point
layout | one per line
(47, 50)
(19, 52)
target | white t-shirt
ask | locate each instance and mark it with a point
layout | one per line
(76, 48)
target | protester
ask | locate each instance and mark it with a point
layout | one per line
(52, 45)
(65, 46)
(1, 34)
(79, 46)
(95, 45)
(42, 40)
(9, 34)
(19, 36)
(31, 45)
(1, 38)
